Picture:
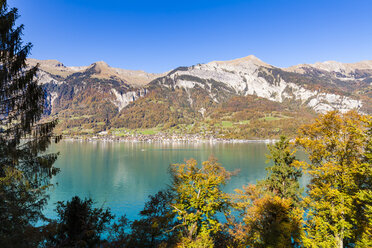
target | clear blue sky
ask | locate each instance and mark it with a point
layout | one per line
(157, 36)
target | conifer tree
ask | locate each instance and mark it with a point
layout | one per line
(25, 169)
(282, 178)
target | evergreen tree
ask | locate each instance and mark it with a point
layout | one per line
(25, 169)
(282, 178)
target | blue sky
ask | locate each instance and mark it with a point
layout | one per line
(157, 36)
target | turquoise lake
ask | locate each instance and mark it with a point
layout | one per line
(122, 175)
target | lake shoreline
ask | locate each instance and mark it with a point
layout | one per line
(185, 139)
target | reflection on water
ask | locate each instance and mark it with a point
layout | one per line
(122, 175)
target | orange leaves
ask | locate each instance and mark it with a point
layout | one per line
(267, 220)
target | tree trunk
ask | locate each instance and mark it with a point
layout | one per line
(192, 230)
(339, 242)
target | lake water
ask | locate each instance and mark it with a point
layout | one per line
(122, 175)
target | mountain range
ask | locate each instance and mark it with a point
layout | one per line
(241, 98)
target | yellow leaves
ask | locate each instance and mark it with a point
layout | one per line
(268, 221)
(12, 175)
(199, 195)
(337, 207)
(336, 144)
(339, 148)
(202, 241)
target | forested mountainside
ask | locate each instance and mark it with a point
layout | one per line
(243, 98)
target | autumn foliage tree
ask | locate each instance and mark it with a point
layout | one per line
(198, 198)
(265, 220)
(338, 202)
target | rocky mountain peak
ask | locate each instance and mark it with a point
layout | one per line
(45, 63)
(102, 70)
(334, 67)
(51, 66)
(101, 67)
(248, 60)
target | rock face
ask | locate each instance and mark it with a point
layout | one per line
(353, 79)
(99, 93)
(251, 76)
(123, 99)
(119, 86)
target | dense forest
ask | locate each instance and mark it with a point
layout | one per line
(335, 210)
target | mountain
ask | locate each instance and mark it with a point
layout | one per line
(241, 98)
(343, 71)
(354, 79)
(251, 76)
(99, 70)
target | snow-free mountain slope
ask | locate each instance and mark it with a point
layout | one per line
(249, 60)
(99, 97)
(100, 70)
(345, 71)
(251, 76)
